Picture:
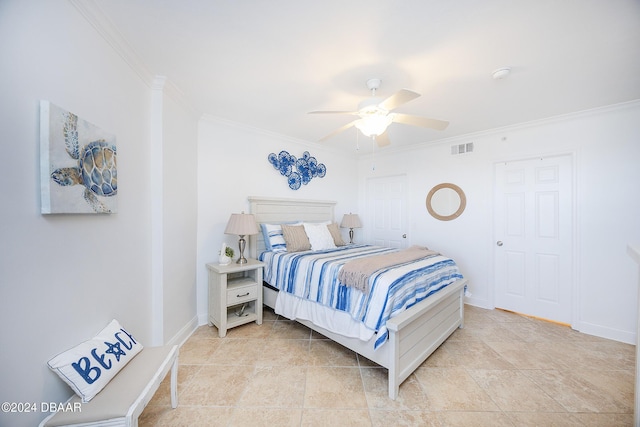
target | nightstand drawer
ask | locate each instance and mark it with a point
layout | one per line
(237, 295)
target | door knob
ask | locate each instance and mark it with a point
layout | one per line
(499, 243)
(404, 236)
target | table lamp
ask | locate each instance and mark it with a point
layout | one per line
(241, 224)
(350, 221)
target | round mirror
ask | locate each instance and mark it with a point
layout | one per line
(446, 201)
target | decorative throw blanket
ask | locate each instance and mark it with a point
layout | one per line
(356, 272)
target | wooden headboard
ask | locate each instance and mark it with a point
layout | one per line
(278, 211)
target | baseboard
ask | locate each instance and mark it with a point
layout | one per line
(203, 319)
(184, 333)
(608, 333)
(584, 327)
(477, 302)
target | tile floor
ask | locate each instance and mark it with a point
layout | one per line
(502, 369)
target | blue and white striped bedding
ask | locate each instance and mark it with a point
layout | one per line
(313, 275)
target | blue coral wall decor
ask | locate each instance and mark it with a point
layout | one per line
(298, 171)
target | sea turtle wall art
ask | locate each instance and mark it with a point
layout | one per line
(78, 164)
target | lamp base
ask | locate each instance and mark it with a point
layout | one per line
(241, 245)
(351, 235)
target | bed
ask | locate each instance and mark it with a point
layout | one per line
(404, 341)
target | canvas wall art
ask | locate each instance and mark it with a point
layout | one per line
(78, 164)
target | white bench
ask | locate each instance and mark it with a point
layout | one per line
(122, 401)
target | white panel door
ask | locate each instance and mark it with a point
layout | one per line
(385, 218)
(533, 237)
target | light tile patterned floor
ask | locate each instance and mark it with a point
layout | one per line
(502, 369)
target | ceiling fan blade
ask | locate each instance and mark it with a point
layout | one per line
(420, 121)
(397, 99)
(353, 113)
(383, 139)
(337, 131)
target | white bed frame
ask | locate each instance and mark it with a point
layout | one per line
(413, 335)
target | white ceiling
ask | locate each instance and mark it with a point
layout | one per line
(265, 64)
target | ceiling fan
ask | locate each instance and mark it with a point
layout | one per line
(375, 115)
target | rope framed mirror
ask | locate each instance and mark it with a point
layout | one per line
(446, 201)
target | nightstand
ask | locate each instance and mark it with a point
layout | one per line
(235, 294)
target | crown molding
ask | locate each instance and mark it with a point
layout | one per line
(210, 118)
(158, 83)
(518, 126)
(96, 17)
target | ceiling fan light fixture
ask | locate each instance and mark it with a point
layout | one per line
(375, 115)
(374, 124)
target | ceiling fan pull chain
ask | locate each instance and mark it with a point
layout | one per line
(373, 153)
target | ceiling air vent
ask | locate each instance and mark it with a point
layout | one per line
(462, 148)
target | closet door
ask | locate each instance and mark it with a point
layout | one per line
(533, 248)
(385, 217)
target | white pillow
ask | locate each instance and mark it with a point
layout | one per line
(319, 236)
(88, 367)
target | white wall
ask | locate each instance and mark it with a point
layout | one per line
(64, 277)
(233, 165)
(179, 222)
(605, 145)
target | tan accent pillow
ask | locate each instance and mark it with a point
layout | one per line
(296, 238)
(335, 233)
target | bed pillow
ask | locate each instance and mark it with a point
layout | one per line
(295, 238)
(88, 367)
(319, 236)
(273, 238)
(336, 235)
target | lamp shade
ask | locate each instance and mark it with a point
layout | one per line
(241, 224)
(351, 221)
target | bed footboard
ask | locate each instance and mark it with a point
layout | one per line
(419, 331)
(413, 335)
